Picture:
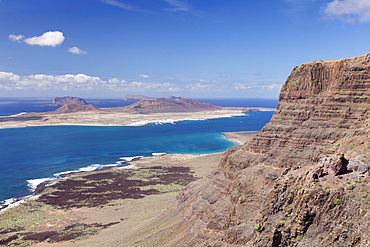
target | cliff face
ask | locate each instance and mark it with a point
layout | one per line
(322, 104)
(290, 185)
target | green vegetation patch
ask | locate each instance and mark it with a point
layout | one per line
(257, 227)
(336, 200)
(350, 187)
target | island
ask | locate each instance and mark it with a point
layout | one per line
(59, 101)
(136, 97)
(145, 111)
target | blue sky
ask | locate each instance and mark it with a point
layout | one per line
(160, 48)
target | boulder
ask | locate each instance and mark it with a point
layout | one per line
(334, 165)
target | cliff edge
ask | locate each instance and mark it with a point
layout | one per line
(303, 180)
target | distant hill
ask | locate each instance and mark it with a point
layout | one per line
(169, 105)
(67, 100)
(69, 108)
(136, 97)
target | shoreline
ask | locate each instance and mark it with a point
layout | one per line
(110, 208)
(116, 117)
(240, 137)
(135, 162)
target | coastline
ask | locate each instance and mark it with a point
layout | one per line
(125, 215)
(48, 215)
(116, 117)
(135, 162)
(240, 137)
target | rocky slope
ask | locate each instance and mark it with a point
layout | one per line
(303, 180)
(169, 105)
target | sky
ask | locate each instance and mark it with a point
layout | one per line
(162, 48)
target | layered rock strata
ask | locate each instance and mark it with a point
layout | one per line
(322, 104)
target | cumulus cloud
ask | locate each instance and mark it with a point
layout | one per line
(12, 81)
(143, 76)
(348, 10)
(9, 76)
(16, 38)
(51, 38)
(76, 50)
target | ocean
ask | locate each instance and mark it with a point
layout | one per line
(30, 156)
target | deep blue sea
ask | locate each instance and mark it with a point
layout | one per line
(29, 156)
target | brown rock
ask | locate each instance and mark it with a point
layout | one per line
(334, 165)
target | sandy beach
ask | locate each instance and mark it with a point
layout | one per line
(116, 117)
(106, 207)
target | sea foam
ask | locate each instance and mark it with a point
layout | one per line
(131, 158)
(89, 168)
(158, 154)
(33, 183)
(21, 113)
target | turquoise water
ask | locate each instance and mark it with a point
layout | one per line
(30, 156)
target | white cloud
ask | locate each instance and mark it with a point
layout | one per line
(16, 38)
(8, 76)
(51, 38)
(76, 50)
(178, 5)
(349, 10)
(181, 6)
(143, 76)
(122, 5)
(118, 4)
(10, 82)
(114, 81)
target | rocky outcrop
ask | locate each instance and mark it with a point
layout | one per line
(303, 180)
(169, 105)
(67, 100)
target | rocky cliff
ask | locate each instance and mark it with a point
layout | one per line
(303, 180)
